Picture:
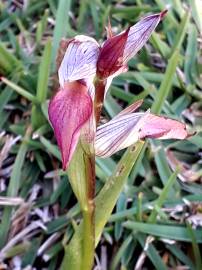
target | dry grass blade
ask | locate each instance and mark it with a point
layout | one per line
(11, 201)
(33, 228)
(8, 141)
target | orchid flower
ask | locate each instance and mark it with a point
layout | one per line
(118, 50)
(71, 110)
(128, 127)
(72, 105)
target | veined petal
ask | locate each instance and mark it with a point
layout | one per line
(68, 112)
(163, 128)
(127, 128)
(118, 133)
(64, 43)
(139, 34)
(80, 60)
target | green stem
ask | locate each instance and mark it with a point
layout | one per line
(88, 210)
(88, 238)
(89, 214)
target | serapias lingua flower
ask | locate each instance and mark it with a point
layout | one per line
(129, 126)
(118, 50)
(71, 110)
(72, 105)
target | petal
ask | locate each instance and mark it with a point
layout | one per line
(139, 34)
(117, 50)
(64, 43)
(111, 53)
(132, 108)
(91, 88)
(163, 128)
(127, 128)
(89, 128)
(118, 133)
(80, 60)
(87, 135)
(68, 112)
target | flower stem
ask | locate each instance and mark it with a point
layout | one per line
(89, 214)
(99, 97)
(88, 238)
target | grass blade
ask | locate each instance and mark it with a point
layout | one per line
(182, 29)
(162, 197)
(20, 90)
(166, 83)
(8, 62)
(196, 249)
(152, 253)
(178, 233)
(42, 86)
(44, 70)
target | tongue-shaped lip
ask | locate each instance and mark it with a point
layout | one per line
(68, 111)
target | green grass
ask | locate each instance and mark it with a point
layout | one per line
(154, 201)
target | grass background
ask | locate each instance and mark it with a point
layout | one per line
(156, 223)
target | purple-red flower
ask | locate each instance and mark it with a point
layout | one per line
(71, 110)
(118, 50)
(72, 106)
(128, 127)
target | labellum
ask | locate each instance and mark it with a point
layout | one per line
(68, 112)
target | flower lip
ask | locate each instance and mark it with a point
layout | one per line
(68, 111)
(110, 58)
(118, 133)
(119, 49)
(130, 109)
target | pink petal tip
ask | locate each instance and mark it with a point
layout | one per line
(163, 128)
